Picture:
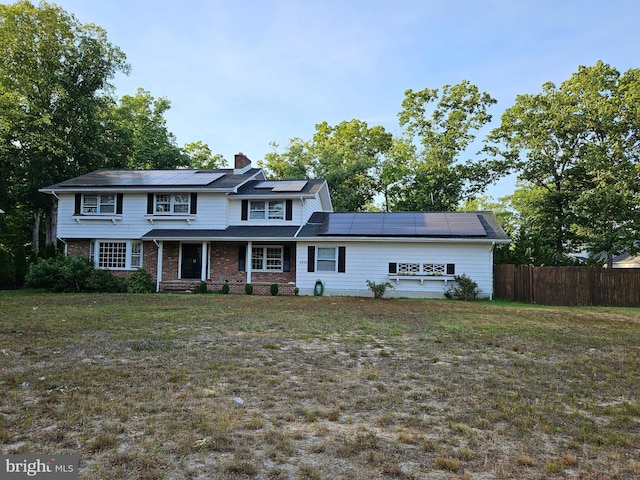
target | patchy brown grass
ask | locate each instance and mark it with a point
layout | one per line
(149, 387)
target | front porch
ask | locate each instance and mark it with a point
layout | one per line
(191, 286)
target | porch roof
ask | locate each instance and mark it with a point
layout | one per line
(232, 233)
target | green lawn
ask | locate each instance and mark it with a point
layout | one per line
(148, 387)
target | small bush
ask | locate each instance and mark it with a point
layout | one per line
(274, 289)
(296, 291)
(464, 288)
(103, 281)
(379, 289)
(225, 288)
(248, 289)
(140, 282)
(202, 288)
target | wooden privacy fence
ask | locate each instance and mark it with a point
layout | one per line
(567, 285)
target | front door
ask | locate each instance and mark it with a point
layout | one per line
(191, 260)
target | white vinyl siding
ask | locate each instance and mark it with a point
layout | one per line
(369, 260)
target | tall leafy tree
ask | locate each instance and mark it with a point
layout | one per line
(54, 75)
(200, 156)
(580, 144)
(346, 155)
(141, 118)
(440, 125)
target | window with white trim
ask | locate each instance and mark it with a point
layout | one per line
(95, 204)
(270, 210)
(422, 269)
(327, 259)
(266, 259)
(172, 204)
(117, 255)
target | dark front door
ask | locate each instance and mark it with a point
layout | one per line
(191, 260)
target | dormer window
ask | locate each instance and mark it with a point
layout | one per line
(270, 210)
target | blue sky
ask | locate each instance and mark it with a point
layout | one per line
(241, 74)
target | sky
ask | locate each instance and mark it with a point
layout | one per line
(241, 74)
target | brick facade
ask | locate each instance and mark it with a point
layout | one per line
(224, 261)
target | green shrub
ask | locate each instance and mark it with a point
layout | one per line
(464, 288)
(379, 289)
(202, 288)
(103, 281)
(140, 282)
(60, 274)
(248, 289)
(296, 291)
(225, 288)
(274, 289)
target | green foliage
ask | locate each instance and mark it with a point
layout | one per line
(463, 289)
(274, 289)
(576, 147)
(248, 289)
(60, 274)
(439, 127)
(200, 156)
(142, 118)
(202, 287)
(296, 291)
(225, 288)
(140, 282)
(104, 281)
(379, 289)
(54, 72)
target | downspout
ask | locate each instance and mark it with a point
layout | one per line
(160, 246)
(66, 249)
(493, 245)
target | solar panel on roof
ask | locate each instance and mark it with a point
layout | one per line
(145, 178)
(266, 184)
(432, 224)
(289, 186)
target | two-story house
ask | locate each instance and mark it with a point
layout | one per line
(234, 226)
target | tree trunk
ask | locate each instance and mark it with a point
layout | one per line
(609, 260)
(51, 223)
(35, 241)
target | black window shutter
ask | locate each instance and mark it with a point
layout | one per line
(286, 259)
(242, 258)
(342, 253)
(78, 204)
(288, 209)
(119, 199)
(245, 209)
(194, 204)
(451, 268)
(311, 258)
(393, 268)
(149, 203)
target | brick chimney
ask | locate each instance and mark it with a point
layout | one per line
(241, 162)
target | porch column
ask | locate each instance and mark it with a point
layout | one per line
(248, 261)
(159, 267)
(203, 261)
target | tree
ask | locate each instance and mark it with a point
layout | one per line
(580, 143)
(152, 145)
(346, 155)
(439, 127)
(54, 74)
(200, 156)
